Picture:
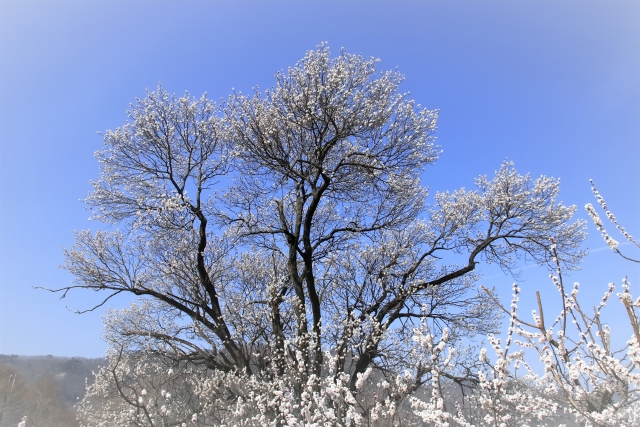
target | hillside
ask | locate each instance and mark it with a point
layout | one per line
(45, 388)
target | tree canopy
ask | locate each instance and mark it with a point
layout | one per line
(286, 235)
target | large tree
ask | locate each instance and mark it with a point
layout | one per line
(286, 233)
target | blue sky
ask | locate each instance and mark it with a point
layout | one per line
(552, 86)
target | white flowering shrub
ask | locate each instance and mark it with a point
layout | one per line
(585, 381)
(584, 377)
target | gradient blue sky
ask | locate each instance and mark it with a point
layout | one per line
(552, 86)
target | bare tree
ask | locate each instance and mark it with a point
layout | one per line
(11, 395)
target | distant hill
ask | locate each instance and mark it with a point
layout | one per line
(44, 388)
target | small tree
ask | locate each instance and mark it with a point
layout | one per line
(284, 236)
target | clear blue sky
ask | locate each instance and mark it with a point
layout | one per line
(553, 86)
